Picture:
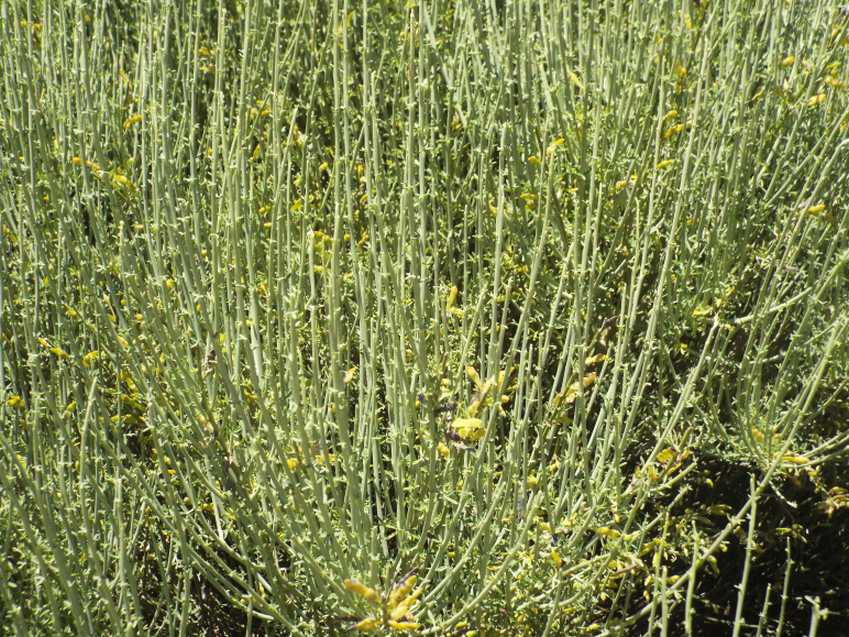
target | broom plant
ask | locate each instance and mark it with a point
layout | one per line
(451, 318)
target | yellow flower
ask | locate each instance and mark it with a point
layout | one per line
(702, 310)
(293, 463)
(575, 80)
(122, 181)
(443, 449)
(400, 592)
(457, 312)
(666, 455)
(788, 61)
(556, 559)
(530, 200)
(36, 26)
(593, 360)
(532, 481)
(452, 298)
(816, 209)
(665, 163)
(367, 624)
(330, 458)
(571, 393)
(15, 402)
(59, 352)
(469, 429)
(132, 120)
(88, 359)
(472, 373)
(554, 145)
(402, 626)
(624, 183)
(360, 589)
(816, 100)
(673, 130)
(680, 71)
(398, 613)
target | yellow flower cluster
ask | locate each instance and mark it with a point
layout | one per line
(56, 351)
(394, 612)
(468, 429)
(132, 120)
(118, 180)
(624, 183)
(450, 301)
(89, 359)
(816, 209)
(92, 166)
(571, 394)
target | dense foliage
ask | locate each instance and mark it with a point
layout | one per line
(458, 318)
